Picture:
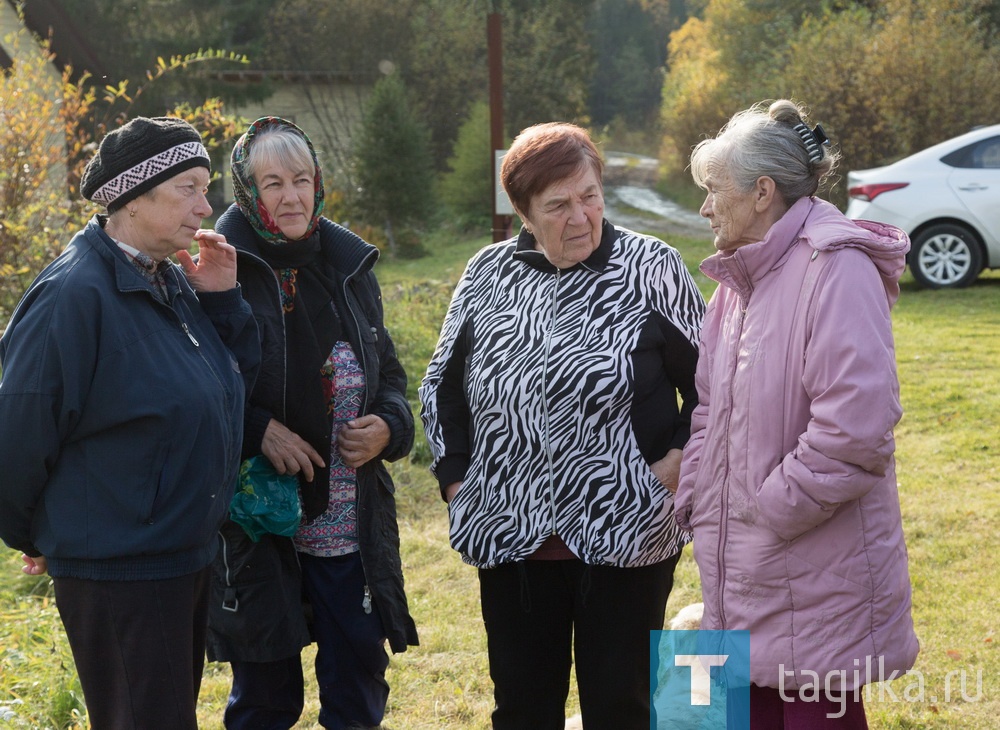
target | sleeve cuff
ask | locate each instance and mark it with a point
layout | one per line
(451, 469)
(254, 426)
(230, 300)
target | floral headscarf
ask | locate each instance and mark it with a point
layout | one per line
(245, 189)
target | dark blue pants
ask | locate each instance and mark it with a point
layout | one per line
(265, 695)
(540, 615)
(350, 659)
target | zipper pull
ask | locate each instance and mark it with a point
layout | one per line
(187, 331)
(374, 334)
(366, 602)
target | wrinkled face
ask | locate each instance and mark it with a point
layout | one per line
(731, 212)
(289, 196)
(167, 217)
(566, 218)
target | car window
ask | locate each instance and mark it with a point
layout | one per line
(982, 154)
(987, 153)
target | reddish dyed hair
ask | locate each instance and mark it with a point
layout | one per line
(544, 154)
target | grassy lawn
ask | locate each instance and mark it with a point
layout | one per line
(948, 350)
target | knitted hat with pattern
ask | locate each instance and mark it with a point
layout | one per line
(140, 155)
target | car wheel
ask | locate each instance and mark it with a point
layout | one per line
(945, 256)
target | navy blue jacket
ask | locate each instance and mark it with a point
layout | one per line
(121, 417)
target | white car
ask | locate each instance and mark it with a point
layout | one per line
(947, 198)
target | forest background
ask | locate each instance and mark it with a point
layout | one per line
(884, 77)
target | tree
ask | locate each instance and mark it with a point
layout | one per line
(341, 49)
(37, 211)
(907, 78)
(548, 58)
(722, 62)
(447, 69)
(51, 123)
(394, 169)
(884, 78)
(467, 187)
(630, 38)
(548, 62)
(145, 30)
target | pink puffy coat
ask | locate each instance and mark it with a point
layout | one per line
(788, 481)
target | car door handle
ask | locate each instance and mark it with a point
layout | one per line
(973, 187)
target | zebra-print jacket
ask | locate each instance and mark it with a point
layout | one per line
(552, 391)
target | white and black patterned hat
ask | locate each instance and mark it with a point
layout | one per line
(140, 155)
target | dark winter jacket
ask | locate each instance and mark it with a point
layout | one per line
(256, 613)
(121, 416)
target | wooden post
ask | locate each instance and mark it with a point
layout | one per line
(494, 39)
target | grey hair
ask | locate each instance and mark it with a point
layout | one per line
(762, 141)
(278, 145)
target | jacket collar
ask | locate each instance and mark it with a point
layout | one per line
(351, 255)
(821, 226)
(525, 250)
(127, 277)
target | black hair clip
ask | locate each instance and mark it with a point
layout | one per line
(813, 139)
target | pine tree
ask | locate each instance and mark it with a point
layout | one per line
(394, 169)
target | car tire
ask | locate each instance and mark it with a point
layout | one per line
(945, 256)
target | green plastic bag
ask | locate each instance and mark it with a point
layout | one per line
(265, 501)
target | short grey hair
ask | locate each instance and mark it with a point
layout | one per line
(762, 141)
(279, 145)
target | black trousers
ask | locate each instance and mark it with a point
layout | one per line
(539, 614)
(139, 648)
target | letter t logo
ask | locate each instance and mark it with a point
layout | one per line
(701, 681)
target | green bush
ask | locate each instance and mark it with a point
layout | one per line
(49, 127)
(467, 188)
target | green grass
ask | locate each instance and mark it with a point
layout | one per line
(948, 350)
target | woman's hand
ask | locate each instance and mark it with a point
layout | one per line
(451, 490)
(288, 452)
(362, 439)
(215, 269)
(34, 566)
(668, 469)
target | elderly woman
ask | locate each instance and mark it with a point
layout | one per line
(788, 481)
(329, 406)
(121, 415)
(551, 408)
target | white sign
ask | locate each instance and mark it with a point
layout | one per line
(501, 203)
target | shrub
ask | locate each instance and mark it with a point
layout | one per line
(49, 126)
(39, 209)
(467, 189)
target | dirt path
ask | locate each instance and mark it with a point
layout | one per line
(631, 200)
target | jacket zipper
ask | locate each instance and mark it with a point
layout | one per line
(230, 601)
(187, 331)
(720, 561)
(366, 599)
(545, 403)
(284, 347)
